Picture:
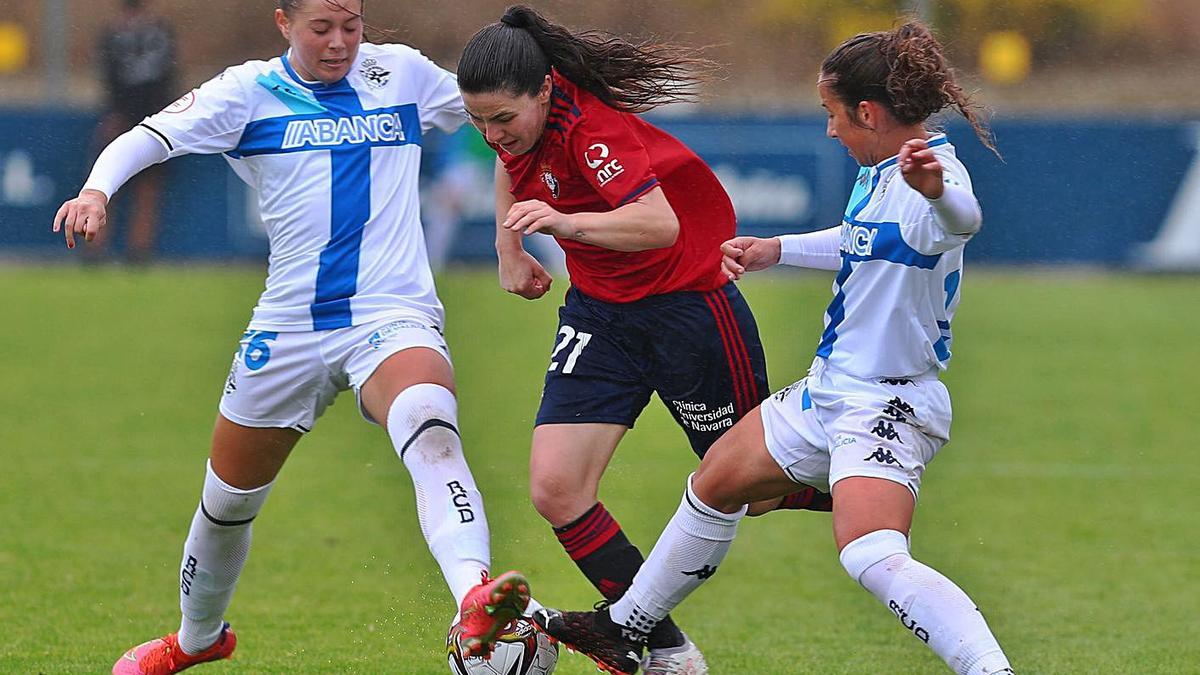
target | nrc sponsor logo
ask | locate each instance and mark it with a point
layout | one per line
(373, 128)
(858, 240)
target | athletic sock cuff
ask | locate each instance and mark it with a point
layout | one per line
(707, 522)
(586, 534)
(859, 555)
(228, 506)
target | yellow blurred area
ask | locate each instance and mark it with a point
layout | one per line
(846, 23)
(14, 48)
(1005, 57)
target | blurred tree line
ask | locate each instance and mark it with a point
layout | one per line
(770, 48)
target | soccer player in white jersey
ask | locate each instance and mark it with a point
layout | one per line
(329, 134)
(872, 413)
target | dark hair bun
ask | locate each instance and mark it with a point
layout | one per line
(517, 16)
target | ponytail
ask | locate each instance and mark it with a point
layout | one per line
(516, 54)
(905, 70)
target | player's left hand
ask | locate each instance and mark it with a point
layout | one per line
(921, 168)
(535, 215)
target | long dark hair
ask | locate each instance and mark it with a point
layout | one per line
(905, 70)
(515, 54)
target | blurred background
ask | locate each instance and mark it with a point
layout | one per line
(1094, 108)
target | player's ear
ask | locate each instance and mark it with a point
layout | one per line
(285, 26)
(867, 114)
(543, 95)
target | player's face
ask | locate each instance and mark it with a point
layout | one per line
(324, 35)
(515, 123)
(858, 139)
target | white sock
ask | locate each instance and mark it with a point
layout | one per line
(687, 553)
(928, 604)
(422, 423)
(213, 556)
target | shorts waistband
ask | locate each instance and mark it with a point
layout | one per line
(648, 302)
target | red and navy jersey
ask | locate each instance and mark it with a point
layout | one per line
(594, 158)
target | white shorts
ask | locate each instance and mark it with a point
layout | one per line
(287, 379)
(830, 426)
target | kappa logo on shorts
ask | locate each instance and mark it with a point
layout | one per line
(783, 393)
(883, 456)
(231, 381)
(886, 431)
(389, 331)
(899, 410)
(896, 381)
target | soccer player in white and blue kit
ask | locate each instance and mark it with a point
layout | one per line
(872, 412)
(330, 136)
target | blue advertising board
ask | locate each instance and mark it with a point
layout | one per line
(1066, 191)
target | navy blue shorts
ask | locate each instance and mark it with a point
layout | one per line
(699, 351)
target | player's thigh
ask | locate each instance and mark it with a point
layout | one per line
(385, 357)
(862, 505)
(739, 469)
(249, 457)
(708, 365)
(566, 463)
(590, 377)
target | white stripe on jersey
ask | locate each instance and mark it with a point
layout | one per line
(898, 286)
(336, 171)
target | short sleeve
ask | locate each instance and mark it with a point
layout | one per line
(610, 157)
(440, 103)
(207, 120)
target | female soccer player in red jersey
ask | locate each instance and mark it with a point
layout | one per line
(650, 309)
(872, 412)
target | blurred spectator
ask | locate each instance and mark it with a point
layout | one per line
(463, 191)
(137, 55)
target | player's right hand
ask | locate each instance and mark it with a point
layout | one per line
(749, 254)
(86, 214)
(521, 274)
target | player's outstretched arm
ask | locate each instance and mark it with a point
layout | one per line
(84, 215)
(749, 254)
(127, 155)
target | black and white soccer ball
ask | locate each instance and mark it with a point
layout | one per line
(521, 649)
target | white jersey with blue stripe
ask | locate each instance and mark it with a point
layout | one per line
(898, 286)
(336, 169)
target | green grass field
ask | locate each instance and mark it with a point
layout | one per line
(1066, 505)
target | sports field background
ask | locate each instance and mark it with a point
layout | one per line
(1066, 504)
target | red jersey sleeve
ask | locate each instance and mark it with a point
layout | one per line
(610, 156)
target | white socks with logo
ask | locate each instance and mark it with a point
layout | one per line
(687, 554)
(423, 425)
(928, 604)
(213, 556)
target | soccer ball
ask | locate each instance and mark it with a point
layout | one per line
(520, 650)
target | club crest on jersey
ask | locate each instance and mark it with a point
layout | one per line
(550, 181)
(375, 75)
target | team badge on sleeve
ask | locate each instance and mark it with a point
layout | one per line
(182, 103)
(596, 158)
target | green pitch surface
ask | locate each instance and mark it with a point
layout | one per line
(1066, 505)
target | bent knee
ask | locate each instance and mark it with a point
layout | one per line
(558, 503)
(871, 549)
